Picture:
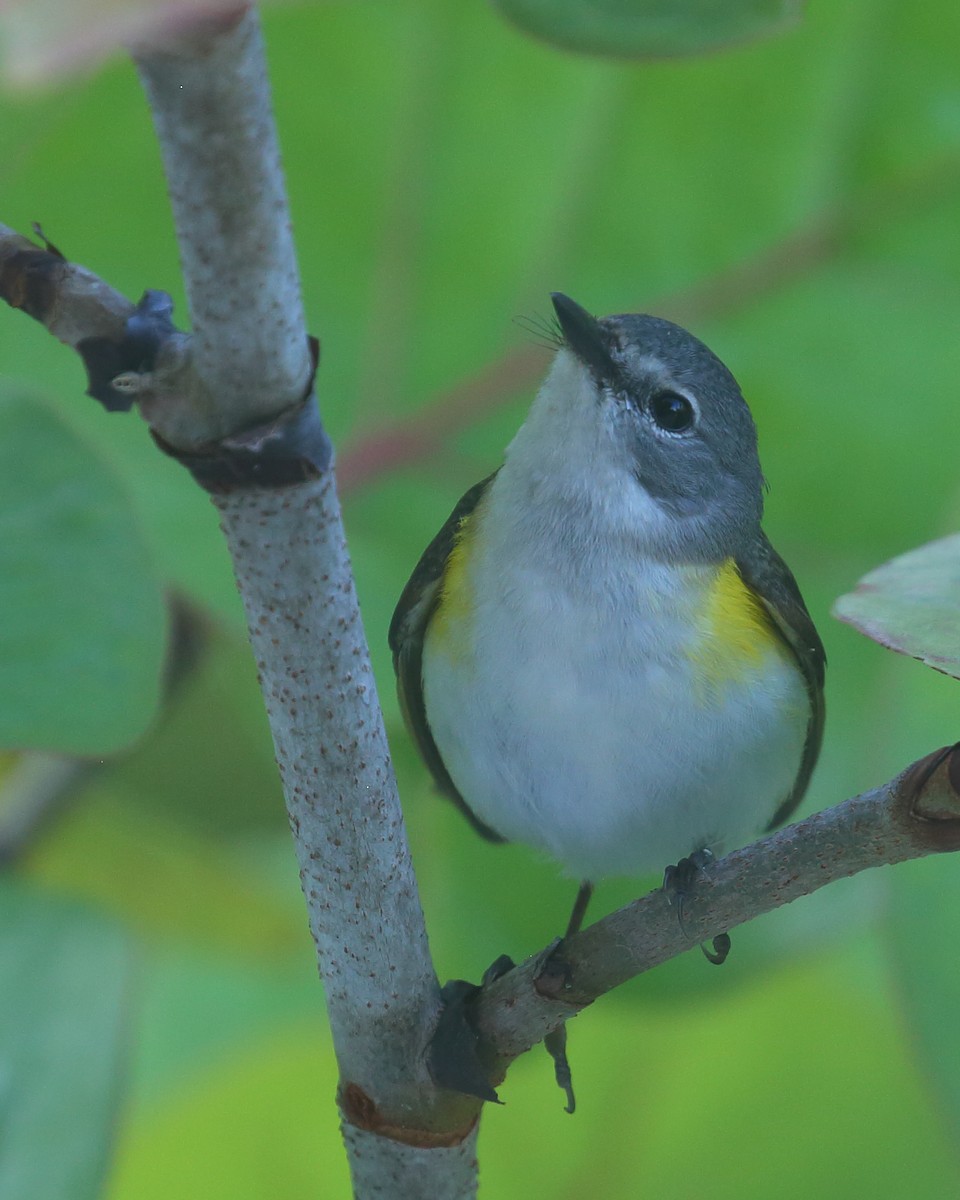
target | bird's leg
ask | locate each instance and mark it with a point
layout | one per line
(579, 909)
(452, 1056)
(556, 1041)
(677, 881)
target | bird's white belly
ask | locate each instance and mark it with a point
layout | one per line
(589, 732)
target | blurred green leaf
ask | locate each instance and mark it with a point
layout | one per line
(65, 1017)
(261, 1124)
(649, 28)
(920, 926)
(81, 635)
(169, 882)
(735, 1072)
(200, 1010)
(912, 605)
(218, 785)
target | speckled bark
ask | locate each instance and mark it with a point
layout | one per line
(379, 1171)
(294, 575)
(210, 102)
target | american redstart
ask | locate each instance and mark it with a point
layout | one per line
(600, 653)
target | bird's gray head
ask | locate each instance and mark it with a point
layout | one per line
(654, 409)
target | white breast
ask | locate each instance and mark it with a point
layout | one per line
(567, 707)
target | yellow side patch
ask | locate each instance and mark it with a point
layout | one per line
(737, 631)
(453, 611)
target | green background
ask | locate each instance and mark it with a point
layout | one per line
(797, 202)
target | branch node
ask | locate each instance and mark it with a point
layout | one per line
(931, 788)
(360, 1109)
(453, 1055)
(554, 974)
(289, 449)
(47, 244)
(30, 280)
(120, 370)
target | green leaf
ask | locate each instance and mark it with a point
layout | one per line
(81, 612)
(648, 28)
(912, 605)
(64, 1017)
(257, 1123)
(921, 928)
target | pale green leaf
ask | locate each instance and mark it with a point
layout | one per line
(81, 613)
(649, 28)
(921, 927)
(912, 605)
(65, 1001)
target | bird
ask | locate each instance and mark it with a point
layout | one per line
(600, 654)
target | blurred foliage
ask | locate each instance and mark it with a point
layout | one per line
(65, 1009)
(797, 200)
(79, 596)
(910, 604)
(648, 28)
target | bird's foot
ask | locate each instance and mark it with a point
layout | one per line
(554, 976)
(677, 882)
(555, 1044)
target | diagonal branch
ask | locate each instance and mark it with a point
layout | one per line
(915, 814)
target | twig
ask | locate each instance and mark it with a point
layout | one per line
(34, 790)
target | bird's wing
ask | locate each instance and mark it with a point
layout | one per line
(407, 630)
(765, 572)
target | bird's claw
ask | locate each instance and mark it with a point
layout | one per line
(677, 881)
(555, 1044)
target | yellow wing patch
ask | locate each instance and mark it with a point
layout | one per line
(455, 606)
(737, 631)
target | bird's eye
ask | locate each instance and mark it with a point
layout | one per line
(672, 412)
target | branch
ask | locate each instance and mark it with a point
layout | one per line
(210, 101)
(266, 460)
(916, 814)
(37, 786)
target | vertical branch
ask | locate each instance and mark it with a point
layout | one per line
(294, 575)
(210, 101)
(260, 450)
(410, 1172)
